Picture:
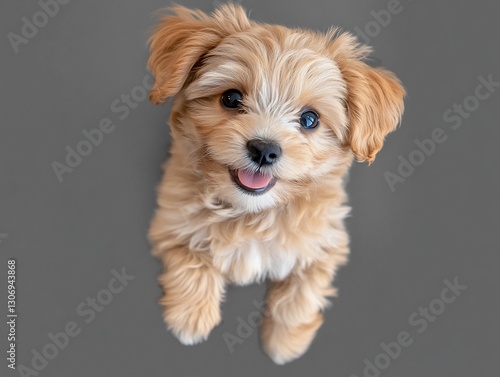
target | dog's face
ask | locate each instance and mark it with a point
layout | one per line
(269, 116)
(265, 113)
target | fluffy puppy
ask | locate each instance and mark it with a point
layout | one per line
(265, 123)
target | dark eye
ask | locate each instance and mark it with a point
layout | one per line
(232, 98)
(309, 119)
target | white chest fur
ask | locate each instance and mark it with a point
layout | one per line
(250, 248)
(253, 261)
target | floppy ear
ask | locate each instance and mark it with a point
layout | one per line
(182, 38)
(374, 98)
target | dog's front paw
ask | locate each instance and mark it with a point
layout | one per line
(191, 325)
(284, 343)
(191, 304)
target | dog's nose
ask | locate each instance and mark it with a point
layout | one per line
(263, 152)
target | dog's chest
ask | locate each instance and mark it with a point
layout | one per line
(253, 261)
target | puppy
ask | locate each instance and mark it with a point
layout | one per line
(265, 123)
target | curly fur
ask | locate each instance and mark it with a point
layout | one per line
(207, 232)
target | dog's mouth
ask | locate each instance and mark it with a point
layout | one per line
(255, 183)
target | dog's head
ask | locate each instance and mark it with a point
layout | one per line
(264, 113)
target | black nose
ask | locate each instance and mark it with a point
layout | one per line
(263, 152)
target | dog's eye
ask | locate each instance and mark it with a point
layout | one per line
(309, 119)
(232, 98)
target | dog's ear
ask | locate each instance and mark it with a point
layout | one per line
(182, 38)
(374, 98)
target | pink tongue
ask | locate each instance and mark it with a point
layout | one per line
(253, 180)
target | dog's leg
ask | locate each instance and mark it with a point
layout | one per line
(193, 290)
(294, 311)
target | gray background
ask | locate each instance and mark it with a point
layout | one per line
(441, 223)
